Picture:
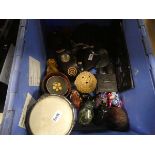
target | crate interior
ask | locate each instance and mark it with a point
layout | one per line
(107, 34)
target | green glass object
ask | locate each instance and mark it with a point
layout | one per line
(86, 114)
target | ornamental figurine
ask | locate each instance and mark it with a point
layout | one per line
(76, 99)
(85, 82)
(52, 66)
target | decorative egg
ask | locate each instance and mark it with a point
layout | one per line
(86, 114)
(117, 119)
(85, 82)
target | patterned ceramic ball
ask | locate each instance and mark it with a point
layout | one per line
(85, 82)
